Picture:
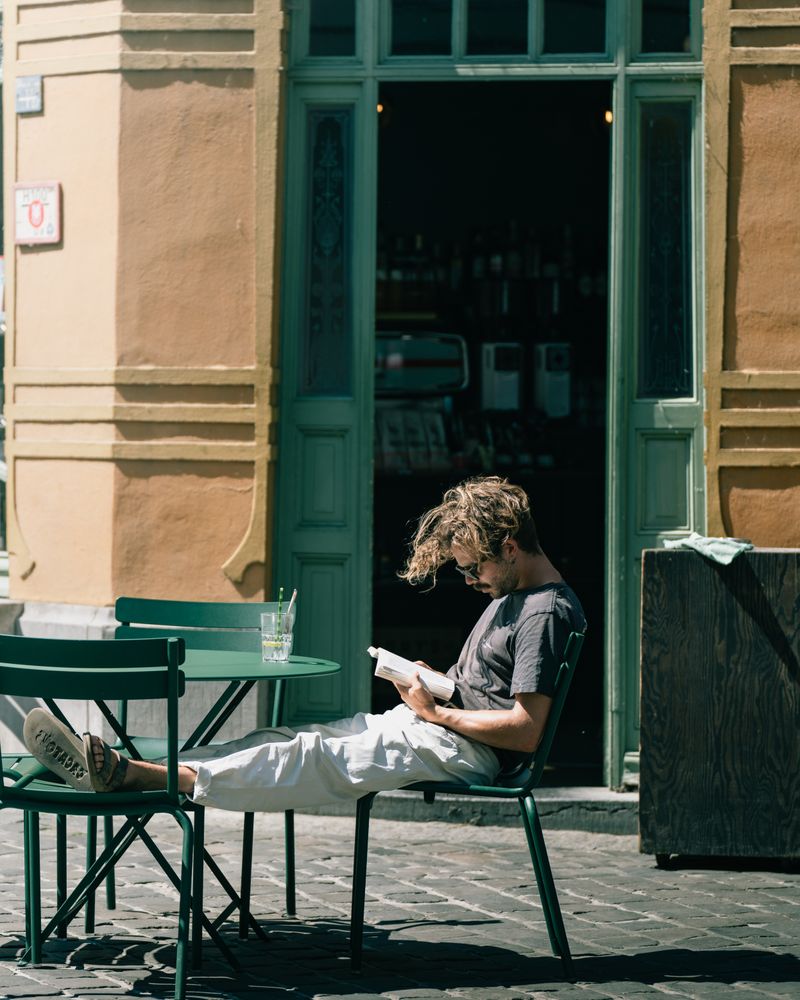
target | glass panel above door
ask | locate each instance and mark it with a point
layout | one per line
(332, 28)
(421, 27)
(574, 26)
(497, 27)
(326, 354)
(665, 263)
(666, 26)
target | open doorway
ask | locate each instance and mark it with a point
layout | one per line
(491, 347)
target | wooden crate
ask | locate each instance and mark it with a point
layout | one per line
(720, 719)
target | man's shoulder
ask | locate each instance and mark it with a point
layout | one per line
(545, 599)
(552, 599)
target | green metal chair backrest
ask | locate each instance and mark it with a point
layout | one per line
(228, 625)
(566, 672)
(522, 779)
(527, 776)
(201, 624)
(98, 670)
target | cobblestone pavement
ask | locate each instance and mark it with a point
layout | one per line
(452, 912)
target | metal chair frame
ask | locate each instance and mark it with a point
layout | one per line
(96, 670)
(518, 784)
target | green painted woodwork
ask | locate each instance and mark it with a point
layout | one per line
(658, 442)
(323, 524)
(654, 478)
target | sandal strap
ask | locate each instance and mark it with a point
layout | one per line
(118, 774)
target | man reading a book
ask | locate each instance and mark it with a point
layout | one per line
(504, 680)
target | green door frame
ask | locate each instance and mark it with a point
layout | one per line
(315, 79)
(635, 423)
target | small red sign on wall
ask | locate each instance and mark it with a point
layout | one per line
(37, 215)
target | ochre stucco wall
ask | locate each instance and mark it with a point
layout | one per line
(762, 505)
(763, 273)
(186, 294)
(139, 347)
(754, 426)
(66, 294)
(64, 318)
(176, 525)
(186, 275)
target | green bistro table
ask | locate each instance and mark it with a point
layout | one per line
(242, 669)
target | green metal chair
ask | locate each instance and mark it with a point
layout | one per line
(100, 671)
(518, 784)
(210, 625)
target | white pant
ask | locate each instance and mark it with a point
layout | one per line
(271, 770)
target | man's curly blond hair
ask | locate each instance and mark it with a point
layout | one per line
(479, 514)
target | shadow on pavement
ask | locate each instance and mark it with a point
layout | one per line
(308, 958)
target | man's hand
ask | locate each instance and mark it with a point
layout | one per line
(418, 698)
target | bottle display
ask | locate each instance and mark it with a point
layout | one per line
(530, 307)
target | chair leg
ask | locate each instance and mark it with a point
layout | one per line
(547, 888)
(111, 886)
(197, 880)
(33, 903)
(61, 870)
(91, 855)
(247, 874)
(185, 920)
(360, 854)
(288, 840)
(27, 879)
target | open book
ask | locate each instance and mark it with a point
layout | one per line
(392, 667)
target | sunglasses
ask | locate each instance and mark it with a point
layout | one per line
(473, 571)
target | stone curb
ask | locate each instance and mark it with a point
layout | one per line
(591, 809)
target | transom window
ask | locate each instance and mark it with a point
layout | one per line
(501, 30)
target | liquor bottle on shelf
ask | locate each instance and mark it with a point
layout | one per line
(532, 257)
(514, 259)
(456, 269)
(412, 275)
(496, 255)
(567, 252)
(394, 298)
(426, 277)
(477, 258)
(381, 274)
(440, 277)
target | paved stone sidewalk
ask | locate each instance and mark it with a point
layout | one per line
(452, 912)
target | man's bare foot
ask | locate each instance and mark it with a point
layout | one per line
(143, 775)
(99, 750)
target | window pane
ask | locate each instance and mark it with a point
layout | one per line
(574, 26)
(333, 28)
(497, 27)
(421, 27)
(665, 316)
(325, 367)
(665, 26)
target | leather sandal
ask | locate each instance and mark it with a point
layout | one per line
(71, 757)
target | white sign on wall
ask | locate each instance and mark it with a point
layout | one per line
(28, 95)
(37, 214)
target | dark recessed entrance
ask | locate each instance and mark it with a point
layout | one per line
(491, 345)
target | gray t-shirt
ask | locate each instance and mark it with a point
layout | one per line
(516, 647)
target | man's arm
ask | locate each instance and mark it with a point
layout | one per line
(519, 728)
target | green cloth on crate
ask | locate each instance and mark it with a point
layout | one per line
(720, 550)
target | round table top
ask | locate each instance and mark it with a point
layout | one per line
(229, 665)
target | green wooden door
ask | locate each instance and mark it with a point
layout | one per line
(323, 528)
(661, 445)
(322, 533)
